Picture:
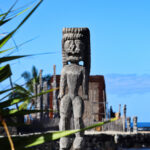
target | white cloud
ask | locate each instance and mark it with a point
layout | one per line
(127, 84)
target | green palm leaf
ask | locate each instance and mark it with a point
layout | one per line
(15, 46)
(25, 104)
(4, 40)
(5, 14)
(57, 135)
(5, 72)
(4, 91)
(6, 50)
(11, 102)
(16, 112)
(1, 15)
(4, 21)
(9, 58)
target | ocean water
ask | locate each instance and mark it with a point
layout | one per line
(135, 149)
(141, 126)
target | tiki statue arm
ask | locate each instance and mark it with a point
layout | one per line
(63, 83)
(85, 85)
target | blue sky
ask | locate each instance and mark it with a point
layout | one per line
(120, 45)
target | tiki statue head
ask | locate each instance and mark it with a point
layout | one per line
(76, 46)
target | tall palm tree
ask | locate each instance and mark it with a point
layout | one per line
(31, 78)
(21, 92)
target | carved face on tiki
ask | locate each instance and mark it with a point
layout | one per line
(76, 46)
(74, 50)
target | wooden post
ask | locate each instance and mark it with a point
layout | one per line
(45, 99)
(38, 101)
(55, 102)
(34, 99)
(135, 124)
(105, 103)
(128, 124)
(35, 93)
(41, 97)
(40, 78)
(51, 97)
(124, 118)
(45, 96)
(119, 110)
